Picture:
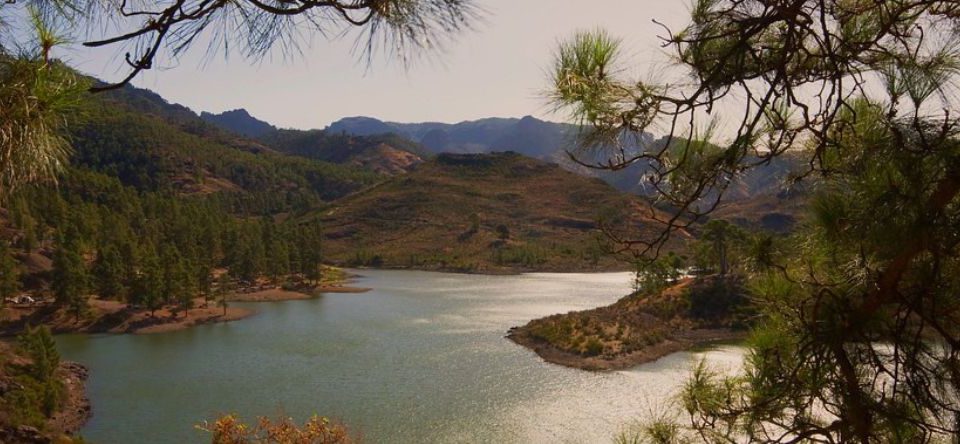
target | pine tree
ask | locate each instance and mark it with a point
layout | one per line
(70, 277)
(9, 274)
(177, 288)
(224, 288)
(148, 284)
(204, 278)
(311, 252)
(856, 336)
(38, 344)
(109, 273)
(278, 260)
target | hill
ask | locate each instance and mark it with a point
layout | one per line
(154, 153)
(482, 213)
(774, 212)
(386, 154)
(156, 202)
(238, 121)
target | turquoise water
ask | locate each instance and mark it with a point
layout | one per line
(421, 358)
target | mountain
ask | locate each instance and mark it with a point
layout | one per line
(528, 136)
(380, 151)
(392, 148)
(482, 213)
(362, 126)
(151, 145)
(238, 121)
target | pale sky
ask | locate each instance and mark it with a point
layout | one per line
(497, 70)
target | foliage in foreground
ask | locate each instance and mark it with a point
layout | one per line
(36, 98)
(230, 429)
(858, 338)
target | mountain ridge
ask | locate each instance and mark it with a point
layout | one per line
(238, 121)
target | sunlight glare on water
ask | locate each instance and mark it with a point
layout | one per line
(421, 358)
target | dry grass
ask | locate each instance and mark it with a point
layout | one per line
(424, 219)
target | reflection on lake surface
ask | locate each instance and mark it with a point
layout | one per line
(421, 358)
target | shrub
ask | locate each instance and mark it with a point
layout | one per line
(593, 347)
(229, 429)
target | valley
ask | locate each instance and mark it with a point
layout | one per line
(168, 220)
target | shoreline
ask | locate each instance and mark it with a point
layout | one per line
(76, 410)
(515, 271)
(116, 317)
(684, 341)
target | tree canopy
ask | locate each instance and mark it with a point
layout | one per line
(857, 338)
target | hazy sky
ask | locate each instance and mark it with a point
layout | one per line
(499, 69)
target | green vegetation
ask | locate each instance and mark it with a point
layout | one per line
(35, 96)
(69, 279)
(35, 392)
(337, 148)
(9, 274)
(168, 153)
(856, 338)
(150, 249)
(657, 275)
(155, 201)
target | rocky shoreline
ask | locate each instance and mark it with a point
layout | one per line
(74, 412)
(76, 409)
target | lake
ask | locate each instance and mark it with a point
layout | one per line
(421, 358)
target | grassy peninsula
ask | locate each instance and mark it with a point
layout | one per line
(641, 327)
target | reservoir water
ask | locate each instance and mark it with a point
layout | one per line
(420, 359)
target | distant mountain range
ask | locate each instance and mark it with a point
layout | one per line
(528, 136)
(394, 148)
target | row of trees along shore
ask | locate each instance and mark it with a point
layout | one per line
(149, 249)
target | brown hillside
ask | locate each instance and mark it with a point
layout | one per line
(482, 212)
(778, 213)
(385, 159)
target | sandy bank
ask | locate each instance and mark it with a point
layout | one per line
(107, 316)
